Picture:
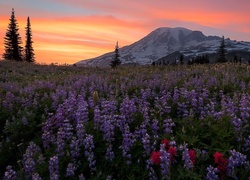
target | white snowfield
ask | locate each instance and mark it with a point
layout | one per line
(164, 41)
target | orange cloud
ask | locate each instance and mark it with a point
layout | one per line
(71, 39)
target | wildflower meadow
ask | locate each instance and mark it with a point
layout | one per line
(143, 122)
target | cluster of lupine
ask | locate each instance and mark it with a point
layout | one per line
(175, 122)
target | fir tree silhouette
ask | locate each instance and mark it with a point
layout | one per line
(116, 60)
(12, 41)
(29, 51)
(222, 52)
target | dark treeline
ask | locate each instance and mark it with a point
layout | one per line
(12, 42)
(222, 57)
(204, 59)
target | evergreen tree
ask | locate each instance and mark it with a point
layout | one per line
(29, 51)
(222, 52)
(182, 59)
(12, 41)
(116, 60)
(235, 59)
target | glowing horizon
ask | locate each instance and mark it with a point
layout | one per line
(67, 32)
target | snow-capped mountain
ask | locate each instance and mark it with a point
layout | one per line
(165, 41)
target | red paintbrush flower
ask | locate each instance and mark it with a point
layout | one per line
(218, 157)
(222, 166)
(221, 163)
(155, 157)
(192, 155)
(172, 152)
(166, 142)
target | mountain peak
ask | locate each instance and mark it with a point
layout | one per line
(175, 30)
(171, 29)
(164, 41)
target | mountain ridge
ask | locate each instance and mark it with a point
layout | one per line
(164, 41)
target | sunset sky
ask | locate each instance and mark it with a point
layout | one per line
(67, 31)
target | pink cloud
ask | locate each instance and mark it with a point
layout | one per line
(219, 14)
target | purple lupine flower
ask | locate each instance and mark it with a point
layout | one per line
(81, 118)
(28, 158)
(145, 112)
(246, 146)
(203, 154)
(145, 94)
(109, 107)
(80, 131)
(56, 96)
(60, 142)
(155, 127)
(91, 102)
(162, 103)
(54, 168)
(97, 118)
(67, 128)
(165, 161)
(36, 176)
(9, 101)
(89, 154)
(193, 99)
(109, 177)
(235, 160)
(108, 128)
(127, 109)
(110, 155)
(70, 171)
(82, 113)
(212, 173)
(81, 177)
(10, 174)
(41, 159)
(211, 108)
(48, 136)
(152, 173)
(244, 107)
(29, 166)
(108, 120)
(243, 86)
(176, 95)
(238, 123)
(186, 158)
(168, 124)
(146, 143)
(75, 148)
(182, 109)
(127, 143)
(24, 120)
(172, 143)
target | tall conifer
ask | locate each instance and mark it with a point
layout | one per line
(116, 60)
(29, 51)
(12, 41)
(222, 52)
